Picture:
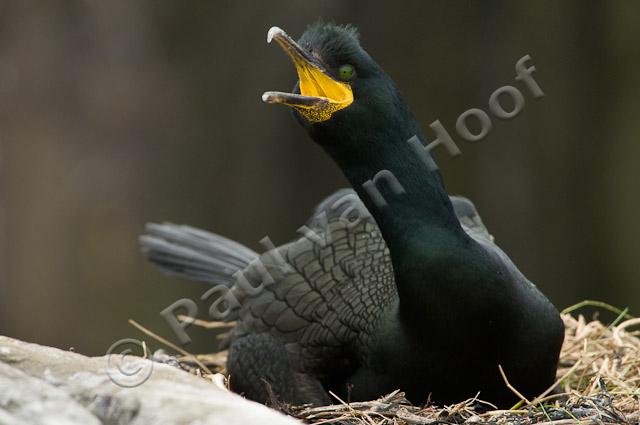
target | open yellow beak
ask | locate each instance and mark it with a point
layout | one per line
(320, 94)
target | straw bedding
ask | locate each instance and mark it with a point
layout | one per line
(598, 383)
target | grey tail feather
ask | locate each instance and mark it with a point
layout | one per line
(194, 254)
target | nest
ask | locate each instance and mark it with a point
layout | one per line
(598, 378)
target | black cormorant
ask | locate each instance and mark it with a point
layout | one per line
(409, 293)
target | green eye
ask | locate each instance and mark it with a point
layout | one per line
(346, 72)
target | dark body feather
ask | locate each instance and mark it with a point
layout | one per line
(317, 326)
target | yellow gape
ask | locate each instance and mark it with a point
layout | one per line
(320, 94)
(315, 83)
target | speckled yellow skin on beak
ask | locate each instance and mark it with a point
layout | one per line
(315, 83)
(320, 94)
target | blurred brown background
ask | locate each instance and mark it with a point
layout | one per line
(113, 114)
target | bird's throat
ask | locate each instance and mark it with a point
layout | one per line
(406, 198)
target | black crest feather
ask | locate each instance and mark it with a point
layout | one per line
(331, 41)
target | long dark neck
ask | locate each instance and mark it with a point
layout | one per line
(413, 212)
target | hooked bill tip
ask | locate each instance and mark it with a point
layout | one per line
(272, 33)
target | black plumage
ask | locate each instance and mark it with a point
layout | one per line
(412, 294)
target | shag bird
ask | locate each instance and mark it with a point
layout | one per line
(399, 289)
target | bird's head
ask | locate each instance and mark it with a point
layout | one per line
(341, 90)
